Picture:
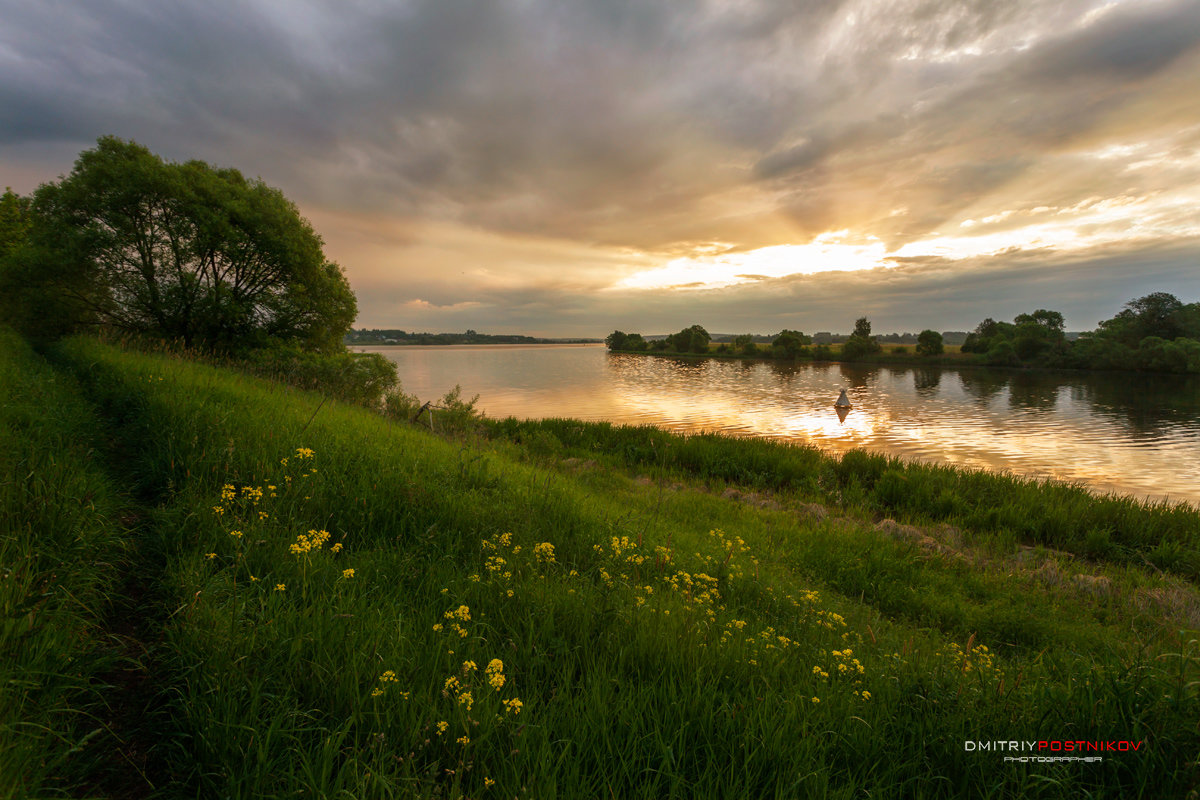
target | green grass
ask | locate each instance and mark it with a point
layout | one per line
(701, 685)
(62, 551)
(1121, 530)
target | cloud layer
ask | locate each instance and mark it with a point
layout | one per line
(521, 164)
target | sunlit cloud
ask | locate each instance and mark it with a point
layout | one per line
(828, 252)
(566, 168)
(418, 304)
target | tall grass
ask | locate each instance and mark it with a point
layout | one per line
(1067, 517)
(336, 587)
(62, 552)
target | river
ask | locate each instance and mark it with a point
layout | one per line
(1113, 432)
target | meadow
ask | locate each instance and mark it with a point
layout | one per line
(219, 585)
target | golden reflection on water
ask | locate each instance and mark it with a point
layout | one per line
(1105, 431)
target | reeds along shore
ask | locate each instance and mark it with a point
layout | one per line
(216, 585)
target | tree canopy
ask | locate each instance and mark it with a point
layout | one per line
(183, 251)
(861, 343)
(929, 343)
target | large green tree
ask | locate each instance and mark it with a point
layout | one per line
(14, 222)
(184, 251)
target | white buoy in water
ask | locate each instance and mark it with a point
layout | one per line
(842, 401)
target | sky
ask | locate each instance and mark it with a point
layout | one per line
(571, 167)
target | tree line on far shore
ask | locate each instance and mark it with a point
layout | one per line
(786, 345)
(1154, 333)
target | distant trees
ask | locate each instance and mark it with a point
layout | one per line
(616, 340)
(1157, 332)
(690, 340)
(790, 344)
(861, 344)
(1160, 315)
(187, 252)
(745, 345)
(619, 340)
(1029, 338)
(929, 343)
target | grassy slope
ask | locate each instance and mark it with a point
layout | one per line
(62, 552)
(680, 640)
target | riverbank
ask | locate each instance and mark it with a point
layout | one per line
(331, 602)
(952, 357)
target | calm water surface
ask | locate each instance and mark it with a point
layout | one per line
(1125, 433)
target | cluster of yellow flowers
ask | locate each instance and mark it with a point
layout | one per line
(977, 658)
(387, 677)
(495, 674)
(460, 614)
(308, 542)
(544, 553)
(852, 666)
(467, 687)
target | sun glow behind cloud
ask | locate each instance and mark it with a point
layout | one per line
(829, 252)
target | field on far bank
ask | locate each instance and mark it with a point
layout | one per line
(215, 585)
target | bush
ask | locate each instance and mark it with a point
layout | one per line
(361, 378)
(929, 343)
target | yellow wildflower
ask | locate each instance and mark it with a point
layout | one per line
(487, 782)
(348, 573)
(514, 706)
(816, 699)
(236, 534)
(388, 677)
(279, 587)
(463, 740)
(376, 692)
(441, 727)
(336, 548)
(210, 556)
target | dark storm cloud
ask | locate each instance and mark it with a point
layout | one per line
(620, 124)
(457, 107)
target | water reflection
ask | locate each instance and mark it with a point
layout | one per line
(1139, 436)
(926, 380)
